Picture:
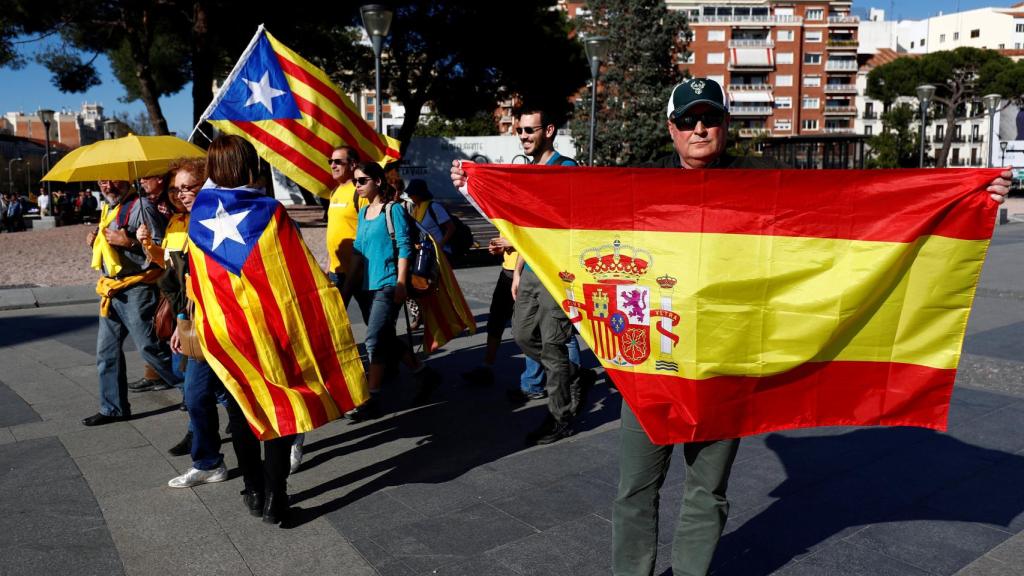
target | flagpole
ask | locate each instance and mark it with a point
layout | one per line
(228, 82)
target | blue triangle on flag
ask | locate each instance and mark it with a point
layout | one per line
(227, 224)
(259, 90)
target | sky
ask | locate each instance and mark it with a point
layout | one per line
(30, 88)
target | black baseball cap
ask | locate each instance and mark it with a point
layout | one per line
(696, 91)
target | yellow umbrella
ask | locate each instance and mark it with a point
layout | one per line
(124, 158)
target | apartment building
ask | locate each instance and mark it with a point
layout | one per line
(69, 128)
(789, 68)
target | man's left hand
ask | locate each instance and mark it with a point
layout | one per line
(1000, 187)
(118, 238)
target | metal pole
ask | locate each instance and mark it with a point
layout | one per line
(593, 119)
(924, 116)
(991, 142)
(378, 45)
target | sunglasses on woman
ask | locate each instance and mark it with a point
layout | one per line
(363, 181)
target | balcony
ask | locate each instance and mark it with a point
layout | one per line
(839, 130)
(840, 88)
(745, 19)
(749, 87)
(843, 21)
(957, 162)
(750, 110)
(752, 43)
(841, 110)
(752, 132)
(844, 44)
(841, 66)
(956, 139)
(978, 139)
(870, 116)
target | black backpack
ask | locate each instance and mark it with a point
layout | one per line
(462, 241)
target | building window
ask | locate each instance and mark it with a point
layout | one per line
(370, 100)
(868, 130)
(783, 80)
(922, 42)
(784, 124)
(784, 102)
(1020, 27)
(812, 81)
(956, 36)
(716, 35)
(716, 57)
(911, 44)
(812, 58)
(784, 58)
(809, 125)
(975, 33)
(1002, 46)
(815, 14)
(942, 38)
(810, 103)
(940, 131)
(369, 116)
(784, 35)
(812, 36)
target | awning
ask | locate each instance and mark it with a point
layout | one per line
(753, 57)
(754, 96)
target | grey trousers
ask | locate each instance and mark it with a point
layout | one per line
(541, 330)
(642, 469)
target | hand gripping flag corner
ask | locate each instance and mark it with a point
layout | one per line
(272, 326)
(293, 114)
(727, 303)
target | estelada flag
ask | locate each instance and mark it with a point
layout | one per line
(726, 303)
(293, 114)
(445, 312)
(272, 326)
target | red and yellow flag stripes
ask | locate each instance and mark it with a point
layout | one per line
(277, 335)
(445, 312)
(727, 303)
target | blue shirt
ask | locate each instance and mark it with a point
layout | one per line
(555, 160)
(375, 245)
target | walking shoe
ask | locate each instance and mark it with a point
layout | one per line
(147, 385)
(368, 410)
(276, 508)
(100, 419)
(519, 396)
(183, 447)
(254, 501)
(429, 381)
(555, 432)
(296, 457)
(195, 477)
(579, 389)
(479, 376)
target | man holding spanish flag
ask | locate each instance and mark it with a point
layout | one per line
(775, 306)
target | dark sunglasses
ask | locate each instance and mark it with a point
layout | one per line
(185, 189)
(710, 119)
(362, 181)
(333, 161)
(529, 129)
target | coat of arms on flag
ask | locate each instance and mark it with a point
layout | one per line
(293, 114)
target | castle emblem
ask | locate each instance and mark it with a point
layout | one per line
(621, 311)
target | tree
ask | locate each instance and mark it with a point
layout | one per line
(897, 145)
(644, 39)
(483, 124)
(960, 76)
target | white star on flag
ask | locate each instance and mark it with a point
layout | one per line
(225, 226)
(262, 92)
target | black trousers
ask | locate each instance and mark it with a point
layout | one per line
(268, 474)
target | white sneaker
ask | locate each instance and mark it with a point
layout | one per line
(196, 477)
(296, 457)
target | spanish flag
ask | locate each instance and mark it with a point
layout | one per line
(272, 326)
(726, 303)
(293, 114)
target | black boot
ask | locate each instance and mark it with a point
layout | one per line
(254, 501)
(182, 448)
(276, 508)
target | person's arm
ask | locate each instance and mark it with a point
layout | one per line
(354, 274)
(516, 275)
(403, 241)
(155, 252)
(444, 222)
(459, 178)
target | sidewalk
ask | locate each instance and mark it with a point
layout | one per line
(449, 489)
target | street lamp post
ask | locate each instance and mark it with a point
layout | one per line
(991, 102)
(597, 49)
(924, 94)
(1002, 146)
(377, 22)
(10, 171)
(46, 116)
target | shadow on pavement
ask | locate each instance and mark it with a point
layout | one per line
(27, 328)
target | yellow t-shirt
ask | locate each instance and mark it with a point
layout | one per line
(508, 260)
(342, 219)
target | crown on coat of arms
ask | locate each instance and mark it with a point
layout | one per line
(566, 276)
(611, 264)
(667, 282)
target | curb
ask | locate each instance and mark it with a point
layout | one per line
(45, 296)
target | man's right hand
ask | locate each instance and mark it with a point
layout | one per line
(498, 246)
(459, 178)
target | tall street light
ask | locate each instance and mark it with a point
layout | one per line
(377, 22)
(597, 50)
(991, 102)
(924, 94)
(1002, 146)
(46, 116)
(10, 171)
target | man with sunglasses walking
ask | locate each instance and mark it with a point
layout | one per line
(342, 213)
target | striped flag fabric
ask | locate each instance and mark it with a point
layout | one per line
(272, 326)
(727, 303)
(445, 312)
(293, 114)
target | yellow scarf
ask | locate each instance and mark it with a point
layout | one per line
(107, 288)
(419, 211)
(104, 257)
(176, 234)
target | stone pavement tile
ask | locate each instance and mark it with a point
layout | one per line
(976, 397)
(6, 436)
(577, 548)
(125, 472)
(62, 295)
(208, 555)
(546, 464)
(385, 564)
(17, 298)
(37, 383)
(929, 540)
(75, 406)
(566, 500)
(987, 566)
(455, 537)
(57, 355)
(845, 559)
(373, 514)
(990, 433)
(84, 375)
(1011, 551)
(475, 567)
(102, 439)
(434, 499)
(489, 484)
(993, 496)
(46, 428)
(14, 410)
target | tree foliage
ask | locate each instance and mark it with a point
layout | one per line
(635, 81)
(482, 124)
(897, 145)
(960, 76)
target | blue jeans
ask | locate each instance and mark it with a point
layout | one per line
(380, 312)
(177, 366)
(131, 313)
(201, 388)
(531, 380)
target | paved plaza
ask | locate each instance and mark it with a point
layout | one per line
(449, 489)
